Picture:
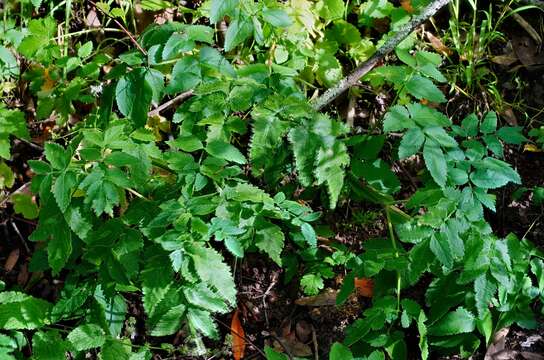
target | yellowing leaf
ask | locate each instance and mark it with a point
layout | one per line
(238, 341)
(531, 148)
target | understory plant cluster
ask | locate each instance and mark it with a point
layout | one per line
(184, 149)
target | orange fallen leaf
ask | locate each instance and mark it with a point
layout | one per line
(237, 332)
(407, 5)
(11, 260)
(364, 286)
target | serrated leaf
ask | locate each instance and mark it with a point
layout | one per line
(48, 346)
(329, 169)
(170, 322)
(397, 119)
(457, 322)
(21, 311)
(311, 284)
(304, 145)
(56, 155)
(309, 234)
(484, 290)
(200, 295)
(202, 321)
(23, 204)
(87, 336)
(211, 268)
(423, 88)
(441, 249)
(157, 277)
(411, 142)
(439, 135)
(270, 239)
(115, 350)
(435, 161)
(63, 187)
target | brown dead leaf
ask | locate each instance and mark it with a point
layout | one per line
(238, 341)
(22, 278)
(364, 286)
(407, 5)
(438, 45)
(326, 298)
(509, 116)
(11, 260)
(506, 60)
(294, 346)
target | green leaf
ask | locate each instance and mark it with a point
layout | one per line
(271, 354)
(21, 311)
(225, 151)
(304, 145)
(484, 290)
(489, 123)
(441, 249)
(202, 321)
(435, 161)
(101, 193)
(512, 135)
(115, 350)
(470, 125)
(7, 178)
(220, 8)
(397, 119)
(85, 50)
(57, 156)
(439, 135)
(238, 31)
(457, 322)
(330, 9)
(270, 239)
(211, 268)
(277, 17)
(48, 346)
(411, 142)
(133, 94)
(330, 164)
(340, 352)
(200, 295)
(309, 234)
(493, 173)
(186, 75)
(170, 322)
(87, 336)
(157, 277)
(311, 284)
(155, 5)
(23, 204)
(423, 88)
(59, 247)
(63, 188)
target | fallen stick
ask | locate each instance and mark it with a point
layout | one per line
(350, 80)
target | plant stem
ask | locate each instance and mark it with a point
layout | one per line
(394, 243)
(328, 96)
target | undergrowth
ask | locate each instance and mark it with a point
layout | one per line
(141, 201)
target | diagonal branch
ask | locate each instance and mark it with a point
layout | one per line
(328, 96)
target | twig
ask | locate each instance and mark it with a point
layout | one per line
(170, 103)
(129, 34)
(385, 49)
(20, 236)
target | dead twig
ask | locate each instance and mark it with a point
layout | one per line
(170, 103)
(328, 96)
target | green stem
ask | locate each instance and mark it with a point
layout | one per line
(397, 255)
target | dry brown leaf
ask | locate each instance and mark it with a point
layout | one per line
(48, 82)
(238, 335)
(438, 45)
(407, 5)
(364, 286)
(506, 60)
(326, 298)
(12, 260)
(509, 116)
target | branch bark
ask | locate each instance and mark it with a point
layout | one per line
(328, 96)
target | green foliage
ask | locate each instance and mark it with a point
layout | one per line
(139, 201)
